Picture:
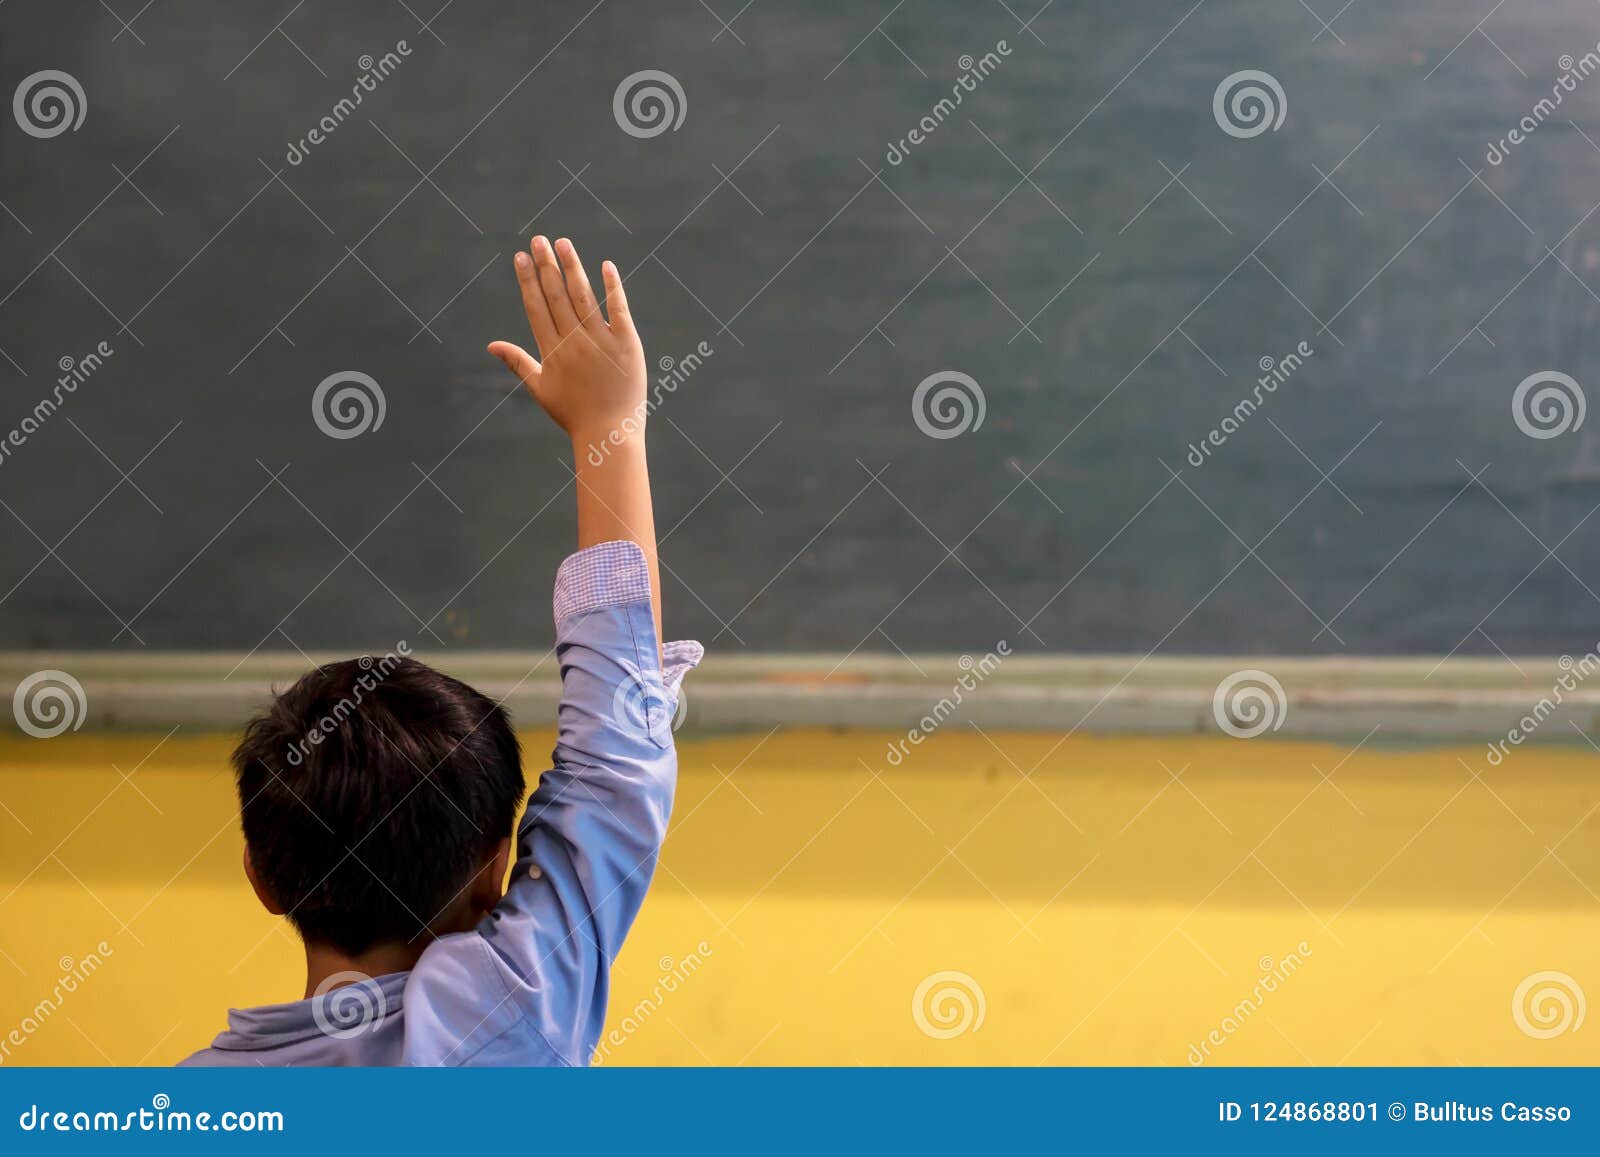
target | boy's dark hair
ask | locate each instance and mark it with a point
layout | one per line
(371, 792)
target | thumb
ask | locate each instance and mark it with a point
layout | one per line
(518, 360)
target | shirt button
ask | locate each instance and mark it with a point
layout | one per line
(535, 872)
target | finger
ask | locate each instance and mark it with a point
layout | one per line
(534, 305)
(578, 287)
(555, 289)
(616, 300)
(518, 360)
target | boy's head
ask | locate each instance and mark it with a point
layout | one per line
(377, 798)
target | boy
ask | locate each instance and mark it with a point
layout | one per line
(377, 803)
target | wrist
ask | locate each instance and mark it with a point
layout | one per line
(602, 442)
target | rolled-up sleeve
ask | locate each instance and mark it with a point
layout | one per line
(587, 845)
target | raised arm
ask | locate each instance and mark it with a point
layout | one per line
(591, 379)
(530, 985)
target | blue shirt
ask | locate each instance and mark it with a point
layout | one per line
(528, 986)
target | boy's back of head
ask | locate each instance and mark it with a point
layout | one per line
(373, 793)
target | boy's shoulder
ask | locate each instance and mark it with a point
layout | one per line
(466, 1004)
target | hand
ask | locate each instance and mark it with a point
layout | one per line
(592, 378)
(592, 381)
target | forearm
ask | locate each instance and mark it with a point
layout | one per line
(614, 502)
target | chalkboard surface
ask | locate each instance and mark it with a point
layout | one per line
(1091, 226)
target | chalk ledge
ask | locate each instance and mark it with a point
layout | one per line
(1406, 698)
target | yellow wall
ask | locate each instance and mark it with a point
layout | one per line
(1113, 908)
